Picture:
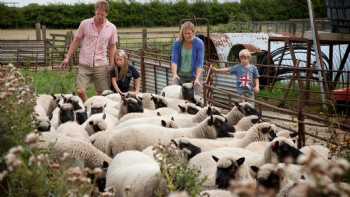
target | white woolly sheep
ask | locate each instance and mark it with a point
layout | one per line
(99, 122)
(246, 122)
(62, 114)
(259, 132)
(73, 130)
(172, 91)
(138, 137)
(239, 111)
(47, 102)
(76, 149)
(100, 140)
(319, 150)
(132, 174)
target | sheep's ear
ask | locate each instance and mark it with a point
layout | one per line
(172, 118)
(53, 96)
(73, 93)
(91, 123)
(182, 108)
(93, 141)
(240, 161)
(211, 120)
(163, 94)
(104, 116)
(163, 123)
(275, 146)
(174, 142)
(254, 171)
(236, 104)
(158, 113)
(280, 173)
(105, 106)
(293, 135)
(215, 158)
(105, 164)
(209, 111)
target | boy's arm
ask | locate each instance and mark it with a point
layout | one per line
(257, 86)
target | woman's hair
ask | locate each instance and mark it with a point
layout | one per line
(245, 52)
(185, 26)
(123, 71)
(102, 4)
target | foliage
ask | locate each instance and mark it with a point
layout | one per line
(51, 81)
(157, 13)
(17, 102)
(178, 175)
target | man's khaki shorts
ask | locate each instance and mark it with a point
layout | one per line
(99, 75)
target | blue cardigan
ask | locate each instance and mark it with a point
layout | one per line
(197, 54)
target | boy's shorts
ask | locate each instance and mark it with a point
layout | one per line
(98, 75)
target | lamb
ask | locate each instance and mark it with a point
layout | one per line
(73, 130)
(43, 121)
(100, 122)
(181, 120)
(95, 104)
(259, 132)
(277, 150)
(173, 103)
(130, 104)
(76, 149)
(230, 168)
(319, 150)
(62, 114)
(100, 140)
(172, 91)
(132, 173)
(147, 101)
(246, 122)
(48, 103)
(239, 111)
(138, 137)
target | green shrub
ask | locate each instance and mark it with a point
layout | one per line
(178, 175)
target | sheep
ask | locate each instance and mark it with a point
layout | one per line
(76, 149)
(62, 114)
(138, 137)
(130, 104)
(100, 140)
(42, 120)
(277, 150)
(172, 91)
(319, 151)
(216, 193)
(107, 92)
(147, 101)
(230, 168)
(246, 122)
(239, 111)
(95, 104)
(100, 122)
(74, 130)
(132, 174)
(259, 132)
(47, 102)
(181, 120)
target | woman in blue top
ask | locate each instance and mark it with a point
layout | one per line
(187, 57)
(123, 73)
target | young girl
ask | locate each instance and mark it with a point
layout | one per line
(123, 73)
(247, 75)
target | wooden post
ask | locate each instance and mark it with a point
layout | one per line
(37, 31)
(43, 30)
(144, 38)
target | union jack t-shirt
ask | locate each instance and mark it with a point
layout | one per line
(245, 78)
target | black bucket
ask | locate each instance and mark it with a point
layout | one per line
(338, 11)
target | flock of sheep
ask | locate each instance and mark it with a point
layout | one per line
(117, 134)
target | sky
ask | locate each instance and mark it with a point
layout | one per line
(21, 3)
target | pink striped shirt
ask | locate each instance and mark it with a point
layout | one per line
(94, 45)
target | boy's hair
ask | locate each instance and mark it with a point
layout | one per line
(186, 25)
(102, 4)
(245, 52)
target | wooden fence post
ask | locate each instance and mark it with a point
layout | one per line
(37, 31)
(143, 70)
(43, 32)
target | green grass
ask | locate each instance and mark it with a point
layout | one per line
(52, 81)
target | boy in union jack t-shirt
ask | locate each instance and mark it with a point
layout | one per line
(247, 75)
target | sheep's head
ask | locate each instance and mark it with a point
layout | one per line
(285, 150)
(268, 176)
(198, 100)
(227, 170)
(211, 110)
(95, 109)
(187, 147)
(43, 124)
(98, 176)
(187, 91)
(66, 112)
(96, 125)
(81, 116)
(75, 101)
(189, 108)
(247, 109)
(159, 101)
(169, 123)
(107, 92)
(265, 131)
(133, 104)
(222, 128)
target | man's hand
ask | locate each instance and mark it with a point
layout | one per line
(65, 63)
